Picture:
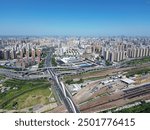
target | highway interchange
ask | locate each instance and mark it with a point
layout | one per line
(62, 92)
(50, 74)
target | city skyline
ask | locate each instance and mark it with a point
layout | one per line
(75, 17)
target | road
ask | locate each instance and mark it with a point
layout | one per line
(60, 88)
(18, 75)
(64, 94)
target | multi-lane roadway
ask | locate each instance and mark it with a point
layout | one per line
(62, 92)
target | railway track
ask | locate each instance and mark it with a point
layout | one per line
(138, 91)
(127, 94)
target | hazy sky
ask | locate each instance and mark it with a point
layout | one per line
(75, 17)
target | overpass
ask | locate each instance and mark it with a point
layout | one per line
(64, 94)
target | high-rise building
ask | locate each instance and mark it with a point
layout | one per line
(27, 54)
(124, 55)
(38, 55)
(1, 55)
(116, 56)
(141, 52)
(120, 55)
(106, 54)
(129, 53)
(88, 49)
(137, 52)
(21, 54)
(13, 54)
(33, 55)
(112, 56)
(6, 54)
(146, 51)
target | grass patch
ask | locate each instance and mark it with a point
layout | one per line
(103, 94)
(138, 61)
(2, 67)
(38, 96)
(41, 65)
(143, 108)
(74, 82)
(94, 78)
(2, 77)
(83, 75)
(138, 71)
(18, 88)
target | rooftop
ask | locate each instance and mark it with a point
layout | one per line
(128, 81)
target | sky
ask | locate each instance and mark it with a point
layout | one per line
(75, 17)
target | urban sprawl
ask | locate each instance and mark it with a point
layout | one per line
(74, 74)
